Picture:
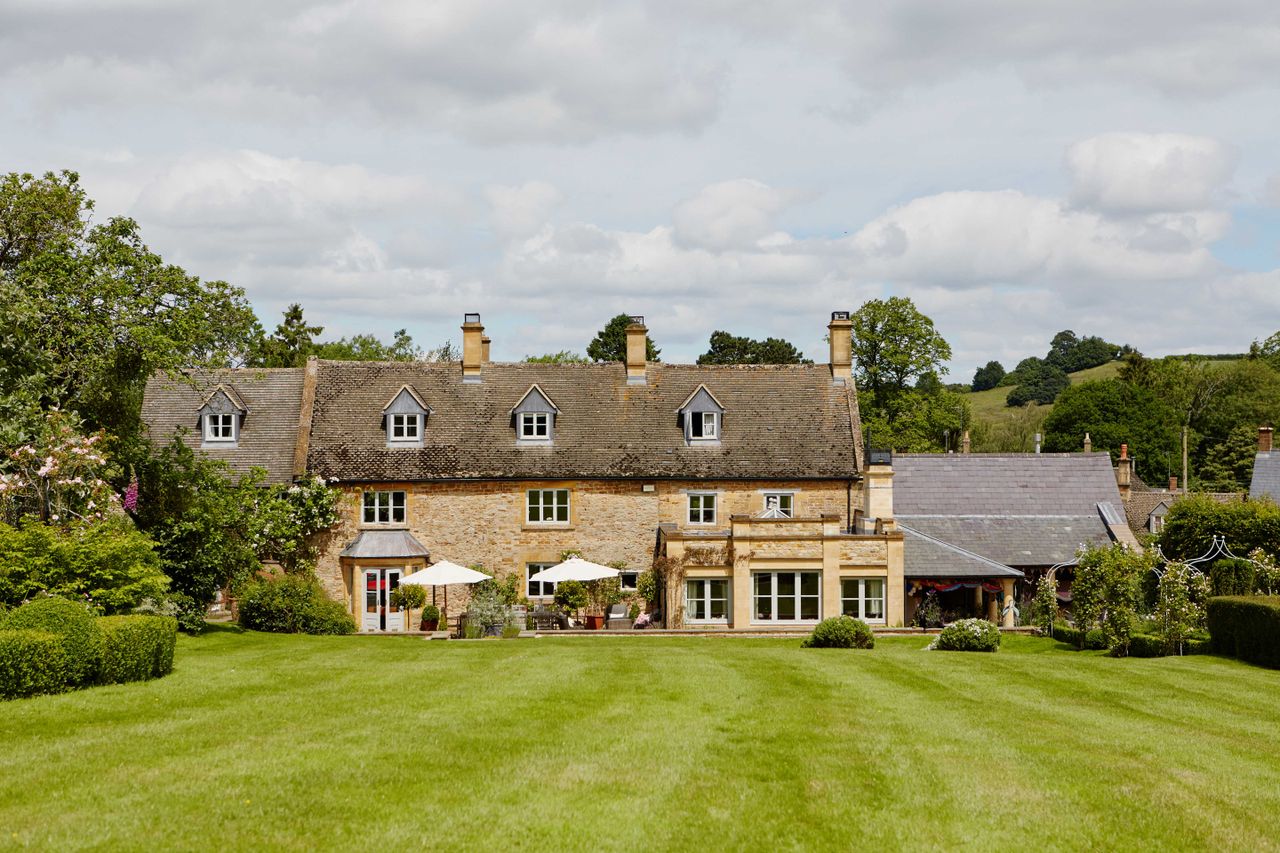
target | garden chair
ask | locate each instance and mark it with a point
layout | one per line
(617, 618)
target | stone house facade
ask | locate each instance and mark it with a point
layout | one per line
(748, 478)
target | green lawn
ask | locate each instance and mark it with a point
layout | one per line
(259, 741)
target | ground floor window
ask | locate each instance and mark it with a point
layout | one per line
(538, 589)
(787, 596)
(628, 581)
(706, 600)
(862, 598)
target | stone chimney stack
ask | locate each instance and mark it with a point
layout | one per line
(473, 348)
(1088, 443)
(1124, 472)
(840, 334)
(637, 351)
(965, 444)
(484, 349)
(1264, 439)
(1173, 483)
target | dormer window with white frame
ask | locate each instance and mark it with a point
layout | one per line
(702, 417)
(534, 418)
(220, 416)
(405, 418)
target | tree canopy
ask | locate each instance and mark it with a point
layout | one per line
(725, 348)
(894, 345)
(610, 343)
(564, 356)
(1038, 382)
(987, 376)
(1114, 413)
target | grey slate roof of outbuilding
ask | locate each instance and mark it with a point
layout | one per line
(780, 422)
(927, 557)
(268, 433)
(384, 543)
(1016, 509)
(1266, 476)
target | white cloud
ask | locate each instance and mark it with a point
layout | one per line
(730, 215)
(522, 210)
(1143, 172)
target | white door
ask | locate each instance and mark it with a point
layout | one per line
(378, 613)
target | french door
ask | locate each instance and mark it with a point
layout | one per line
(378, 613)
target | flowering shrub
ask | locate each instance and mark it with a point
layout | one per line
(57, 478)
(1044, 606)
(1182, 594)
(840, 632)
(968, 635)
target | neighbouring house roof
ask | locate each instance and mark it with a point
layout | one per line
(371, 544)
(1266, 476)
(1025, 509)
(783, 422)
(268, 435)
(1140, 505)
(927, 557)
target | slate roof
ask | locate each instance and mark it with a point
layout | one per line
(384, 543)
(927, 557)
(781, 422)
(1015, 509)
(1266, 476)
(268, 433)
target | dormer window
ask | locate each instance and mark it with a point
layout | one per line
(702, 417)
(220, 417)
(535, 418)
(405, 418)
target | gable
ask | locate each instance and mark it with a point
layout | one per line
(222, 400)
(701, 400)
(535, 400)
(406, 402)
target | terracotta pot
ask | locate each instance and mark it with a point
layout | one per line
(430, 625)
(595, 623)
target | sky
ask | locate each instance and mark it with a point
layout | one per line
(1014, 168)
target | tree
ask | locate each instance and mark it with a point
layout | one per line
(894, 345)
(290, 344)
(1180, 605)
(1107, 591)
(1192, 523)
(987, 377)
(928, 422)
(1040, 383)
(1268, 351)
(1071, 354)
(1228, 465)
(610, 343)
(564, 356)
(370, 348)
(1115, 413)
(725, 348)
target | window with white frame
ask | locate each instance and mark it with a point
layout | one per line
(535, 426)
(863, 598)
(779, 504)
(384, 507)
(704, 425)
(547, 506)
(702, 508)
(628, 581)
(706, 600)
(537, 589)
(219, 427)
(404, 427)
(786, 596)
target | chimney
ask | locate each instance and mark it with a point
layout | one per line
(637, 350)
(1088, 443)
(965, 443)
(484, 349)
(840, 334)
(1264, 439)
(1173, 483)
(473, 348)
(1124, 472)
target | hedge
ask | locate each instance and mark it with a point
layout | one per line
(31, 663)
(70, 620)
(840, 632)
(136, 648)
(1247, 627)
(1071, 636)
(292, 604)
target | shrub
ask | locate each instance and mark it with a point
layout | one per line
(968, 635)
(1092, 640)
(71, 621)
(840, 632)
(572, 596)
(292, 604)
(136, 648)
(647, 587)
(1231, 577)
(184, 608)
(1147, 646)
(431, 613)
(409, 596)
(1247, 627)
(1198, 647)
(31, 663)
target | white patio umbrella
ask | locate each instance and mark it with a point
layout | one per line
(443, 574)
(574, 569)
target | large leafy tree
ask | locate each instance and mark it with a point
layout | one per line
(1070, 353)
(564, 356)
(725, 348)
(894, 345)
(987, 376)
(1038, 382)
(1192, 523)
(1114, 413)
(290, 344)
(610, 343)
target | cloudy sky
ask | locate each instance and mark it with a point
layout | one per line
(1016, 168)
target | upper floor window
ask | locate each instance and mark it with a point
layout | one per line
(547, 506)
(405, 418)
(779, 505)
(535, 425)
(702, 508)
(704, 425)
(703, 417)
(535, 417)
(384, 507)
(220, 427)
(406, 427)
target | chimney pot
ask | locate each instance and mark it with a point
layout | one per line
(484, 349)
(637, 350)
(840, 335)
(965, 444)
(1088, 443)
(1264, 439)
(1173, 483)
(473, 347)
(1124, 451)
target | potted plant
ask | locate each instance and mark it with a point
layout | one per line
(572, 596)
(431, 618)
(409, 597)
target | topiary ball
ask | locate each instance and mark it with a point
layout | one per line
(70, 620)
(840, 632)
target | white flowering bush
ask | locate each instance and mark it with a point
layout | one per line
(968, 635)
(58, 478)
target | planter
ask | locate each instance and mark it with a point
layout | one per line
(595, 623)
(430, 624)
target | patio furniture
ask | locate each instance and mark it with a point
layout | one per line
(616, 618)
(545, 619)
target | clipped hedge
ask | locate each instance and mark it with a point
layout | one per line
(1072, 636)
(1147, 646)
(1247, 627)
(840, 632)
(31, 663)
(73, 623)
(292, 604)
(136, 648)
(968, 635)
